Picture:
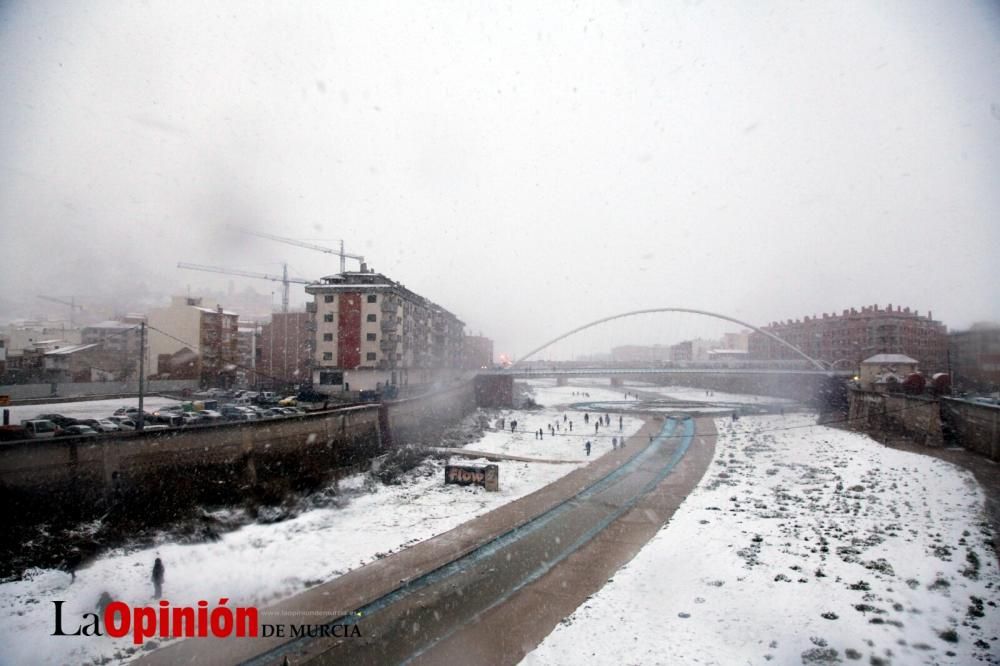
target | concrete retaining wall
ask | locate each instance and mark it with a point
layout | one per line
(421, 419)
(153, 473)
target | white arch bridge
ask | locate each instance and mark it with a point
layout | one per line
(811, 378)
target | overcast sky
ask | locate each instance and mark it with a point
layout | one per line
(530, 166)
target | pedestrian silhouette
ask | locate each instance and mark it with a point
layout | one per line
(158, 578)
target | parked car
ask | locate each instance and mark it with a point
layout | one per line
(266, 398)
(154, 426)
(101, 425)
(238, 413)
(78, 431)
(58, 419)
(124, 423)
(169, 419)
(33, 429)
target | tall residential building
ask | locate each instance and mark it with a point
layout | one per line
(848, 338)
(371, 331)
(285, 350)
(186, 327)
(247, 348)
(120, 339)
(975, 357)
(477, 352)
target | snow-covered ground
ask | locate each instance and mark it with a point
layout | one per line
(86, 409)
(698, 395)
(803, 544)
(262, 563)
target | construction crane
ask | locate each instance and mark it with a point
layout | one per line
(308, 246)
(73, 307)
(283, 278)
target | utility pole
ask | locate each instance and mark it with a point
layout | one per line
(142, 374)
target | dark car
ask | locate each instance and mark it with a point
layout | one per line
(78, 431)
(59, 420)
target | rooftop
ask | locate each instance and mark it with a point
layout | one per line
(889, 358)
(72, 349)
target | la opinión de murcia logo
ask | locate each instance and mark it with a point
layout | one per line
(118, 619)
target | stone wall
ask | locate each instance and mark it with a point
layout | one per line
(974, 426)
(883, 414)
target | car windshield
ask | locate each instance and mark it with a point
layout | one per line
(622, 332)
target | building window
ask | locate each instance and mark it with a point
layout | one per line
(331, 377)
(371, 337)
(328, 298)
(328, 337)
(328, 317)
(370, 356)
(372, 298)
(327, 356)
(371, 317)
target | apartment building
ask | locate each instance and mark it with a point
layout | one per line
(189, 327)
(285, 346)
(975, 357)
(120, 340)
(370, 331)
(477, 352)
(856, 334)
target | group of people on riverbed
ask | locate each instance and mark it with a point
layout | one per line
(565, 426)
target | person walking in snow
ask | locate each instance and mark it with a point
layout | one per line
(571, 426)
(619, 423)
(596, 427)
(586, 418)
(587, 447)
(614, 443)
(158, 569)
(513, 426)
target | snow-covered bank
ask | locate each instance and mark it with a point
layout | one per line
(802, 544)
(699, 395)
(261, 563)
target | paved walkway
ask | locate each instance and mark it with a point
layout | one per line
(601, 557)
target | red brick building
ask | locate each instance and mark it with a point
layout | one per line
(285, 347)
(848, 338)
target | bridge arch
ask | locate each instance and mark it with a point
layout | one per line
(705, 313)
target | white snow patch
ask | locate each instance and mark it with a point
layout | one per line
(802, 541)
